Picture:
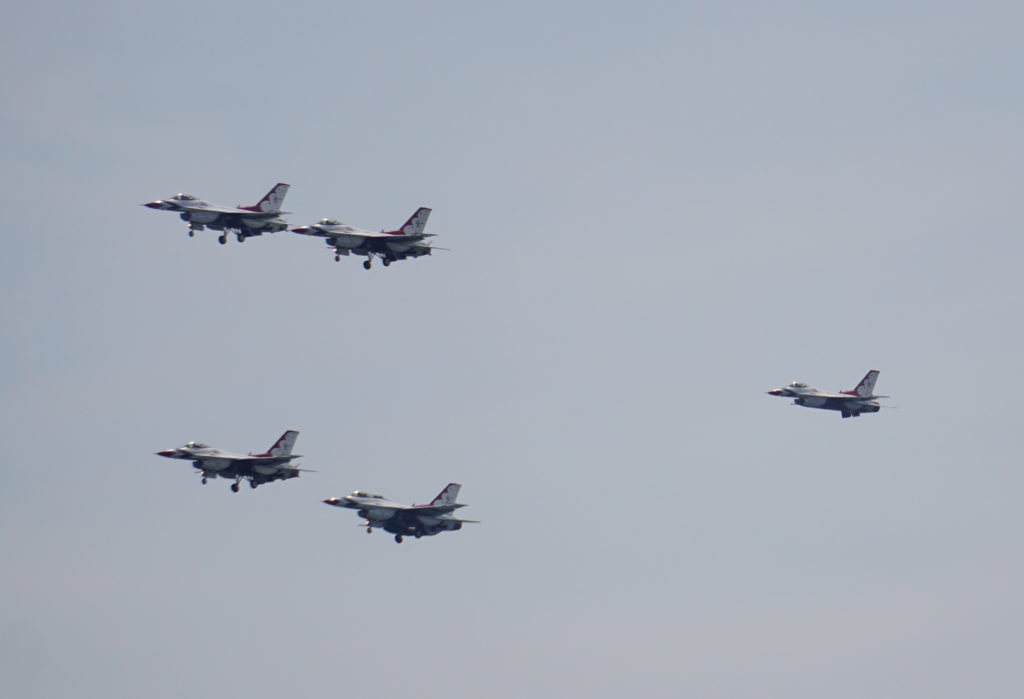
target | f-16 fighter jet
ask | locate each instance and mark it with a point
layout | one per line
(849, 403)
(244, 221)
(405, 520)
(389, 246)
(271, 465)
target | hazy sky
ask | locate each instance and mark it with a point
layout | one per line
(656, 212)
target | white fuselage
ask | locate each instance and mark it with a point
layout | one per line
(379, 511)
(202, 213)
(849, 404)
(215, 460)
(342, 235)
(258, 468)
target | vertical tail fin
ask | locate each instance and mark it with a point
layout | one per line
(416, 223)
(448, 495)
(273, 201)
(866, 387)
(284, 445)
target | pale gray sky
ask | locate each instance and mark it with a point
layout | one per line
(656, 212)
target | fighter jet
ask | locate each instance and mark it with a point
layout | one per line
(389, 246)
(271, 465)
(244, 221)
(849, 403)
(405, 520)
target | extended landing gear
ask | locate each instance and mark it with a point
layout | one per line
(241, 237)
(253, 484)
(191, 233)
(204, 480)
(234, 487)
(222, 239)
(384, 260)
(398, 538)
(337, 258)
(369, 530)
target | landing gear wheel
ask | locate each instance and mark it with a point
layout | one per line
(234, 487)
(253, 484)
(222, 239)
(369, 530)
(398, 538)
(241, 237)
(367, 265)
(191, 233)
(337, 258)
(204, 480)
(387, 262)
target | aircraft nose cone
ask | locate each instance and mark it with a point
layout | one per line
(168, 452)
(301, 229)
(154, 204)
(331, 501)
(775, 392)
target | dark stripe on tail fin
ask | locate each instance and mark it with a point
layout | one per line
(448, 495)
(866, 387)
(272, 202)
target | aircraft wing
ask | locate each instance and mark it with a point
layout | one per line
(276, 461)
(271, 469)
(234, 212)
(387, 237)
(842, 396)
(432, 510)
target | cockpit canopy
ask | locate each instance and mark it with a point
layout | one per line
(196, 445)
(183, 197)
(364, 494)
(798, 384)
(329, 222)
